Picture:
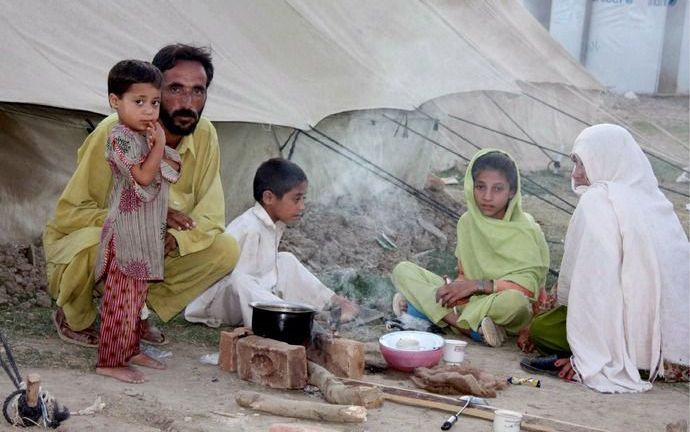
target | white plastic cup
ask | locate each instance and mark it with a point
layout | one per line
(507, 421)
(454, 351)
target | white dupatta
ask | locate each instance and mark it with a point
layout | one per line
(625, 270)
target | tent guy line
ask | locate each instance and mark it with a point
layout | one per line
(512, 120)
(412, 190)
(466, 159)
(622, 122)
(383, 174)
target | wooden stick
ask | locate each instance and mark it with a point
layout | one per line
(33, 385)
(334, 391)
(469, 412)
(301, 409)
(456, 402)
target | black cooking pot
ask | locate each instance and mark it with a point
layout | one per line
(287, 322)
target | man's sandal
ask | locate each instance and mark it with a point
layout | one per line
(86, 338)
(541, 365)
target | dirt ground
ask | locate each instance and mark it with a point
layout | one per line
(346, 245)
(191, 396)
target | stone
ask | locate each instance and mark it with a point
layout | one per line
(341, 357)
(227, 350)
(43, 299)
(271, 363)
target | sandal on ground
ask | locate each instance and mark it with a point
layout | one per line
(492, 334)
(86, 338)
(152, 335)
(398, 302)
(541, 365)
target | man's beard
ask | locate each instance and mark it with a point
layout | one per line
(168, 121)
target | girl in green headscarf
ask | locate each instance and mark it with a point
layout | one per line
(502, 259)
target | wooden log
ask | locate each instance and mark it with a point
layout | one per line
(33, 385)
(301, 409)
(336, 392)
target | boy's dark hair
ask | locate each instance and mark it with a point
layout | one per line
(128, 72)
(499, 162)
(168, 56)
(277, 175)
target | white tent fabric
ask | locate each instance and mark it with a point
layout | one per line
(336, 65)
(286, 62)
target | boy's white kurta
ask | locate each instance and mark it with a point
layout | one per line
(625, 268)
(262, 274)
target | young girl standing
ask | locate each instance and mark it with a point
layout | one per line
(132, 241)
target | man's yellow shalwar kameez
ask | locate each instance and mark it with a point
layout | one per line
(71, 238)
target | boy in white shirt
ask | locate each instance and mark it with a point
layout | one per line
(262, 273)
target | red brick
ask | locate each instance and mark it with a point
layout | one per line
(342, 357)
(227, 350)
(271, 363)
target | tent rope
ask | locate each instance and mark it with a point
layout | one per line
(377, 170)
(522, 140)
(647, 152)
(381, 173)
(467, 160)
(557, 164)
(287, 140)
(548, 191)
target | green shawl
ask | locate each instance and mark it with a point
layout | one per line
(512, 248)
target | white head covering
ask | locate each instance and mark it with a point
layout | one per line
(625, 270)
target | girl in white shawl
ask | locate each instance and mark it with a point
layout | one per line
(624, 276)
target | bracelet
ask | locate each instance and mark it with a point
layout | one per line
(481, 286)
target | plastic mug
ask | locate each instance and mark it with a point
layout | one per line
(454, 351)
(507, 421)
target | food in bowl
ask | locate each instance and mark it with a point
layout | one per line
(426, 352)
(407, 343)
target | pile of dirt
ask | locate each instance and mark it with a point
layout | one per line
(23, 281)
(339, 239)
(371, 235)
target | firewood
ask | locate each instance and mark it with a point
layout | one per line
(301, 409)
(334, 391)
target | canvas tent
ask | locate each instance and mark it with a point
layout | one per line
(392, 81)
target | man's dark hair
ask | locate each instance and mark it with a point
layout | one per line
(499, 162)
(277, 175)
(128, 72)
(169, 55)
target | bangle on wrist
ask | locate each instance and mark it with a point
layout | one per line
(483, 284)
(480, 287)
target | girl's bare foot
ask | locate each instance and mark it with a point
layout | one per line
(122, 373)
(144, 360)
